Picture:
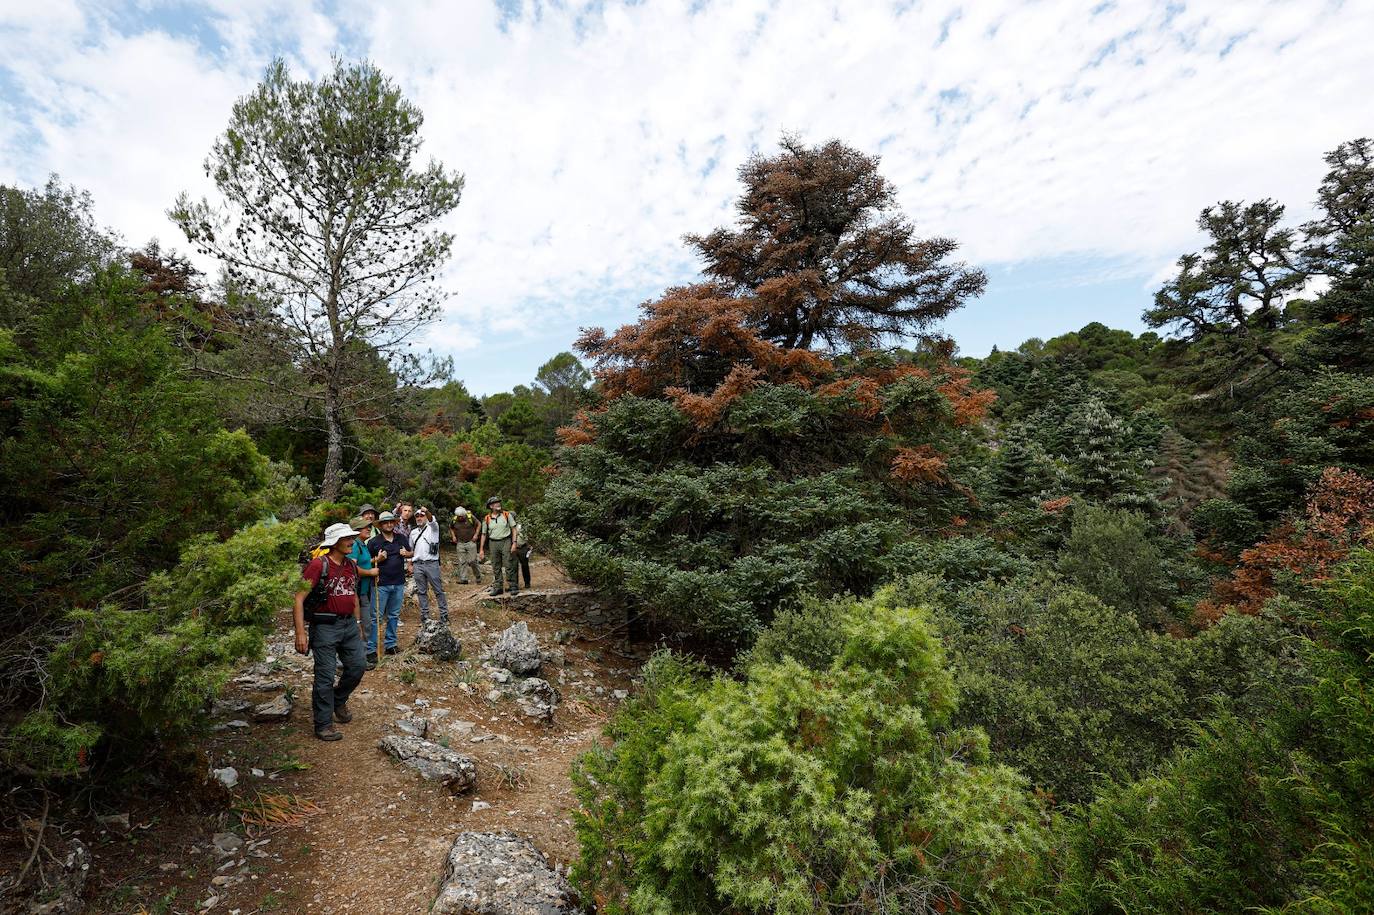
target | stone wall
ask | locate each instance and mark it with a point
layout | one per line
(584, 606)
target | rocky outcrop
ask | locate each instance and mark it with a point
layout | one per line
(435, 638)
(537, 699)
(278, 709)
(501, 874)
(517, 650)
(432, 761)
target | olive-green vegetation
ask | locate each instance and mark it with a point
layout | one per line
(1153, 603)
(1085, 626)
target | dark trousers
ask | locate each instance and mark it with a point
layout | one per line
(335, 644)
(522, 556)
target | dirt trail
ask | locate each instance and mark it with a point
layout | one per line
(378, 840)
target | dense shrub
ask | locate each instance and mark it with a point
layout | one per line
(1072, 691)
(1120, 558)
(804, 791)
(125, 680)
(1264, 812)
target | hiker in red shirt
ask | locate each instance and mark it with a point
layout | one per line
(328, 604)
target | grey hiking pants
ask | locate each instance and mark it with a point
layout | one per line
(503, 566)
(427, 576)
(465, 554)
(334, 644)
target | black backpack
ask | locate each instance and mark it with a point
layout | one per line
(318, 596)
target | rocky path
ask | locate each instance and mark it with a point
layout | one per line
(348, 827)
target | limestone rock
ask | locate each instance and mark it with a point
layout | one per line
(228, 776)
(538, 699)
(415, 727)
(435, 638)
(432, 761)
(66, 882)
(221, 708)
(226, 844)
(517, 650)
(278, 709)
(501, 874)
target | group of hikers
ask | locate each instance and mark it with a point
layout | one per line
(360, 574)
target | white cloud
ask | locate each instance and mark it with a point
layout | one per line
(593, 135)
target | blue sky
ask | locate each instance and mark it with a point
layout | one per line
(1067, 145)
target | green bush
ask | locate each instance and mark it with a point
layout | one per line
(1073, 692)
(957, 560)
(1262, 811)
(798, 791)
(126, 681)
(1120, 558)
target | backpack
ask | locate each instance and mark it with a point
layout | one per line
(318, 595)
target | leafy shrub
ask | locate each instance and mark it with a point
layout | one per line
(1072, 691)
(127, 680)
(1266, 812)
(798, 791)
(1119, 558)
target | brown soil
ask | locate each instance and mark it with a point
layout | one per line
(371, 836)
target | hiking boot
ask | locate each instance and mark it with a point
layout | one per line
(496, 592)
(514, 593)
(372, 661)
(329, 733)
(342, 714)
(394, 649)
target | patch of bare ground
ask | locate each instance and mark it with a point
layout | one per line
(343, 828)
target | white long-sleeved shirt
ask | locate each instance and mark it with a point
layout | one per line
(424, 542)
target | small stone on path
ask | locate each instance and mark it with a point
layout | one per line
(501, 874)
(432, 761)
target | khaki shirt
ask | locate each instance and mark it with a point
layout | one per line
(499, 526)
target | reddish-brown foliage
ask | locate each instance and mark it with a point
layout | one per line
(1055, 506)
(918, 465)
(691, 340)
(1339, 516)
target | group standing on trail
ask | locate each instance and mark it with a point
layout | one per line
(354, 584)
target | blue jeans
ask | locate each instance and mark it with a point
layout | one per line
(367, 610)
(389, 599)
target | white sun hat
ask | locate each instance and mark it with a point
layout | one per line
(335, 532)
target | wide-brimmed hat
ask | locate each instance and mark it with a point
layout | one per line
(336, 532)
(459, 512)
(367, 507)
(385, 516)
(493, 500)
(359, 523)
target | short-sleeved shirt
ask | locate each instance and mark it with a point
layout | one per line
(392, 569)
(363, 557)
(341, 586)
(499, 525)
(465, 529)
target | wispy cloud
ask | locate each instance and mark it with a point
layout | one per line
(593, 135)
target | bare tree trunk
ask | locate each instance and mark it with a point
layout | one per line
(333, 460)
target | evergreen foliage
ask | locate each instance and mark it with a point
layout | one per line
(801, 791)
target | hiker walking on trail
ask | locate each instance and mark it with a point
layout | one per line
(327, 622)
(498, 532)
(367, 575)
(389, 552)
(424, 545)
(464, 531)
(522, 553)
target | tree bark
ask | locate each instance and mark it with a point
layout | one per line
(333, 430)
